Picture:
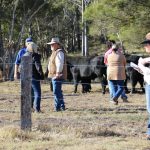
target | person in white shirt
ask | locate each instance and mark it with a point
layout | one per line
(144, 65)
(57, 71)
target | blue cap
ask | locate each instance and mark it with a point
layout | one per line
(29, 39)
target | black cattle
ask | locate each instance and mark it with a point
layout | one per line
(132, 75)
(81, 72)
(86, 69)
(99, 71)
(85, 80)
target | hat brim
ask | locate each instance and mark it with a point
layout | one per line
(146, 42)
(50, 43)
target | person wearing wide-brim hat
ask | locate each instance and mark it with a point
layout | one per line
(57, 71)
(144, 65)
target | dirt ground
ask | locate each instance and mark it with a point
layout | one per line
(88, 115)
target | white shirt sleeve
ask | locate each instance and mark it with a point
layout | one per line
(145, 70)
(146, 60)
(141, 63)
(59, 61)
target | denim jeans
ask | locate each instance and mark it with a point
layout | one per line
(58, 95)
(147, 92)
(36, 94)
(123, 94)
(116, 88)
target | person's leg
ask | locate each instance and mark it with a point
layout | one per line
(37, 95)
(32, 97)
(61, 98)
(124, 96)
(147, 91)
(58, 96)
(113, 88)
(110, 89)
(120, 89)
(148, 127)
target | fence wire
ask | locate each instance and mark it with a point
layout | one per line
(12, 97)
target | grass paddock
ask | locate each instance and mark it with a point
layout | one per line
(89, 123)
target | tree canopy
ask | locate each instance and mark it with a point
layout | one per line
(123, 20)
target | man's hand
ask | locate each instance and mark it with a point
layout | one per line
(16, 72)
(17, 76)
(58, 75)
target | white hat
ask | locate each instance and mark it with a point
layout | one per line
(54, 40)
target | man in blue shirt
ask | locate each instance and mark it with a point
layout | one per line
(19, 56)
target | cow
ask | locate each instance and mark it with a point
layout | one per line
(80, 72)
(132, 75)
(99, 71)
(86, 69)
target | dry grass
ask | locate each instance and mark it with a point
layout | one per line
(89, 123)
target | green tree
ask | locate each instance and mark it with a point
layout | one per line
(128, 18)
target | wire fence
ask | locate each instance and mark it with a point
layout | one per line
(10, 106)
(9, 99)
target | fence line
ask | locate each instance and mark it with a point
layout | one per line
(66, 82)
(72, 65)
(17, 120)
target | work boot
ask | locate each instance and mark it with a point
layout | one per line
(125, 100)
(114, 101)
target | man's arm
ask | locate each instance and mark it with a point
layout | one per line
(17, 62)
(16, 74)
(59, 64)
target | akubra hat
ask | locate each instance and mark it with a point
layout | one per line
(54, 40)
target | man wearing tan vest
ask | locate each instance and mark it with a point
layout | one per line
(57, 72)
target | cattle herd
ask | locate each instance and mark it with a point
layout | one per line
(85, 69)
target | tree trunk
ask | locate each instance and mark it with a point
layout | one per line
(78, 30)
(1, 42)
(13, 20)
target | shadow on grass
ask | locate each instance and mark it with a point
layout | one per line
(99, 133)
(114, 109)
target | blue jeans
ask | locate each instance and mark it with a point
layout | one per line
(123, 94)
(116, 88)
(36, 95)
(58, 95)
(147, 92)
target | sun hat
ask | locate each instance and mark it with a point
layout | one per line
(54, 40)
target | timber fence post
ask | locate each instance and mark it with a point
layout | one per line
(26, 75)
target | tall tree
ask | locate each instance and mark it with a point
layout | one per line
(128, 18)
